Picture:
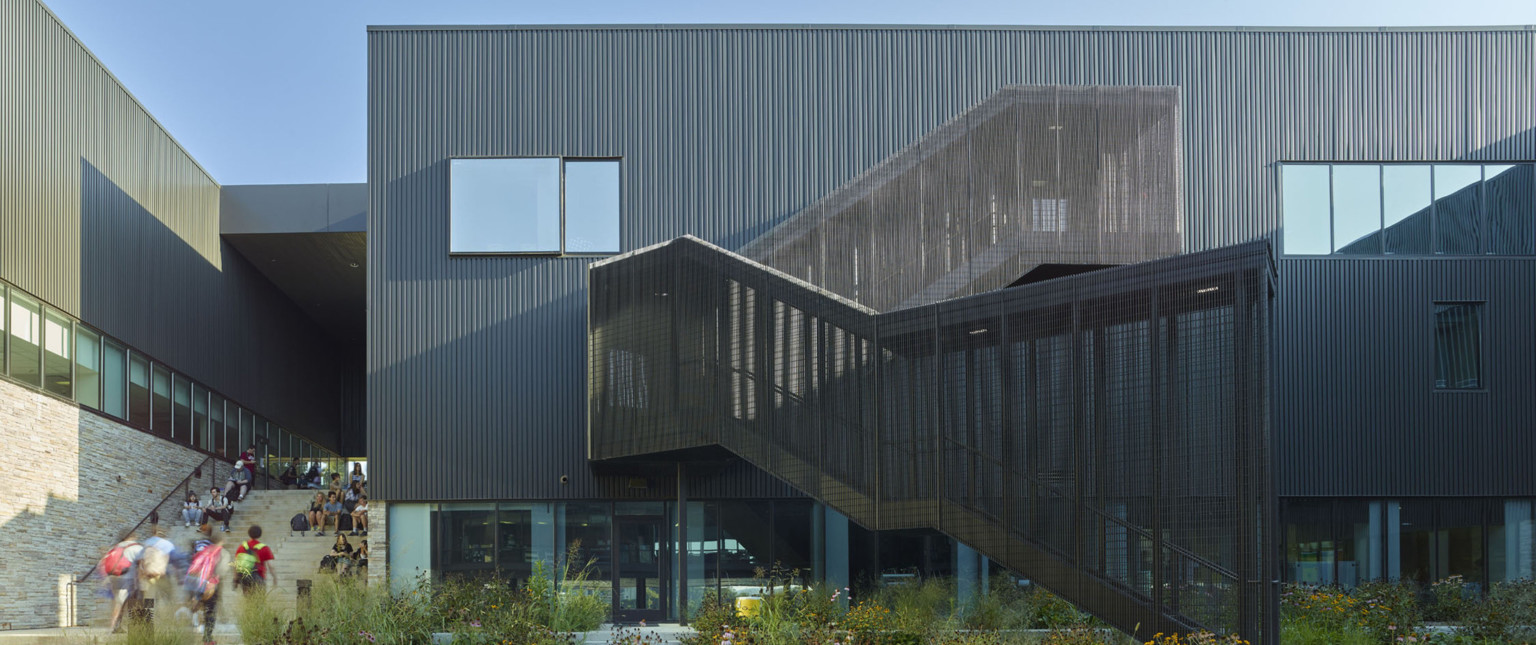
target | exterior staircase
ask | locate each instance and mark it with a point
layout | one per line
(297, 556)
(1046, 426)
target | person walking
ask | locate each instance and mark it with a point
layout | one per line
(252, 570)
(203, 583)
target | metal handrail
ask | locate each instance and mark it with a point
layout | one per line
(156, 508)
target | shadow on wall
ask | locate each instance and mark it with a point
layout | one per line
(223, 325)
(508, 398)
(81, 480)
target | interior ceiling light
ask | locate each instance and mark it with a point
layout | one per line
(1038, 183)
(973, 332)
(1054, 127)
(1208, 289)
(354, 265)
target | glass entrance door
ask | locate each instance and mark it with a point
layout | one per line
(641, 579)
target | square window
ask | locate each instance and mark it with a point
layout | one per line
(1458, 345)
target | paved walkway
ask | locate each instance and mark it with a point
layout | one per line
(224, 634)
(668, 632)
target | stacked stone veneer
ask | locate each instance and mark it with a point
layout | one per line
(71, 481)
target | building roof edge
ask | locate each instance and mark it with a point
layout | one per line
(919, 27)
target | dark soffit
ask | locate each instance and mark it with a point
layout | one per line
(325, 274)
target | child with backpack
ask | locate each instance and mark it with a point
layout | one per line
(250, 564)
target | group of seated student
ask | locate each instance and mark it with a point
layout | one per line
(352, 501)
(344, 558)
(314, 480)
(217, 508)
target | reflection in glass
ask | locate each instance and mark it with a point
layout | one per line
(585, 531)
(1509, 191)
(1305, 209)
(200, 418)
(160, 423)
(88, 368)
(1406, 208)
(138, 390)
(1457, 204)
(1512, 542)
(58, 348)
(26, 334)
(181, 414)
(1357, 209)
(1309, 544)
(216, 428)
(1457, 345)
(504, 205)
(114, 380)
(592, 206)
(1460, 542)
(466, 542)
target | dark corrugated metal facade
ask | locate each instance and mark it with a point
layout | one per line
(104, 216)
(476, 364)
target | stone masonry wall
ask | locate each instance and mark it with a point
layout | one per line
(71, 482)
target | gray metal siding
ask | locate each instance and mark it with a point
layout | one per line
(476, 387)
(104, 216)
(1359, 415)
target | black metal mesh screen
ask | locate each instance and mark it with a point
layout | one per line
(1032, 175)
(1105, 434)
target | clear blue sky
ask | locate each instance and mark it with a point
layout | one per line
(274, 91)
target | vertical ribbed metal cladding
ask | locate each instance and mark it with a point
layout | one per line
(725, 132)
(1064, 428)
(1356, 380)
(106, 217)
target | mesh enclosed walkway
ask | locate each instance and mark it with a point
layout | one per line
(1104, 434)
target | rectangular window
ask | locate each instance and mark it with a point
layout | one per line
(114, 379)
(216, 431)
(26, 360)
(505, 205)
(200, 418)
(592, 206)
(1304, 190)
(181, 409)
(1406, 204)
(1458, 202)
(138, 390)
(88, 367)
(58, 352)
(1458, 345)
(1357, 210)
(1409, 209)
(3, 336)
(545, 205)
(160, 424)
(1509, 193)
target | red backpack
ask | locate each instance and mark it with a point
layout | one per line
(117, 561)
(203, 573)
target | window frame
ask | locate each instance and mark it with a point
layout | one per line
(1484, 245)
(564, 251)
(1482, 362)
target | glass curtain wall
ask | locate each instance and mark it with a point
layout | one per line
(1349, 541)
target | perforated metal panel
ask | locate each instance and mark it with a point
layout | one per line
(1032, 175)
(1105, 434)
